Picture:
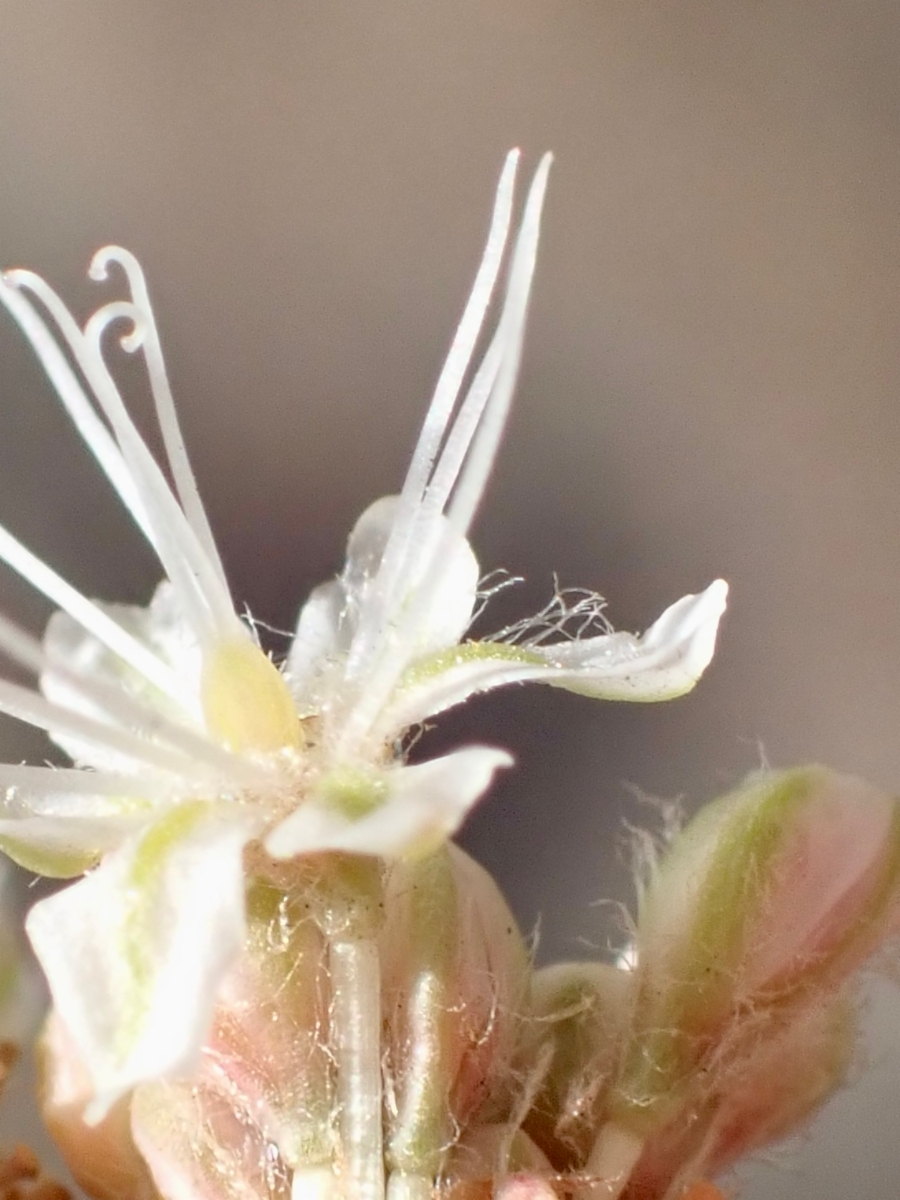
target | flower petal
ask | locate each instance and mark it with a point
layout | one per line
(664, 663)
(63, 847)
(424, 805)
(451, 601)
(135, 951)
(161, 627)
(330, 618)
(320, 641)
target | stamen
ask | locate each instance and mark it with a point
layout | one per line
(471, 447)
(146, 335)
(81, 412)
(30, 707)
(511, 335)
(182, 557)
(173, 538)
(474, 438)
(87, 614)
(398, 551)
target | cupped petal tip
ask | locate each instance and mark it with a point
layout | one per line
(697, 626)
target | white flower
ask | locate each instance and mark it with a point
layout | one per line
(190, 743)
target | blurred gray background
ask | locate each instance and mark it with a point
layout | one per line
(710, 385)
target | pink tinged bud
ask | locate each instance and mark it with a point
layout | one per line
(261, 1105)
(102, 1158)
(765, 1089)
(267, 1044)
(263, 1110)
(776, 1083)
(579, 1014)
(765, 905)
(454, 977)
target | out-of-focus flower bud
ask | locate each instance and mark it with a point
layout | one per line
(749, 930)
(102, 1158)
(763, 1089)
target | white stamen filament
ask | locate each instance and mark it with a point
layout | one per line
(206, 606)
(400, 551)
(90, 428)
(30, 707)
(511, 335)
(45, 580)
(166, 414)
(470, 448)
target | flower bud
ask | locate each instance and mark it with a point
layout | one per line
(579, 1013)
(764, 1089)
(454, 979)
(102, 1158)
(261, 1114)
(765, 905)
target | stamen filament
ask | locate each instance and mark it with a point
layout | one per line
(400, 551)
(356, 1042)
(208, 608)
(30, 707)
(511, 335)
(71, 394)
(470, 448)
(166, 414)
(45, 580)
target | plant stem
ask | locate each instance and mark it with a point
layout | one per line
(356, 1043)
(409, 1187)
(610, 1163)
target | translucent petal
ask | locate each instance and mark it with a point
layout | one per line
(331, 615)
(663, 663)
(424, 805)
(135, 951)
(450, 608)
(161, 626)
(320, 641)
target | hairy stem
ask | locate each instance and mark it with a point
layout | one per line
(409, 1187)
(356, 1043)
(610, 1163)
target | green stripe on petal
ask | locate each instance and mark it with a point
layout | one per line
(135, 952)
(136, 932)
(435, 665)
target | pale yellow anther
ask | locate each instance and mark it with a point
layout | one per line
(246, 702)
